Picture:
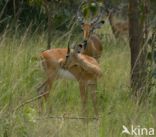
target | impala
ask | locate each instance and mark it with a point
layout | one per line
(119, 28)
(70, 64)
(93, 46)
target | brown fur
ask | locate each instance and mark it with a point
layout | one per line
(119, 29)
(94, 45)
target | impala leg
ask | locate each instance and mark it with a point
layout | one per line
(84, 96)
(92, 89)
(43, 92)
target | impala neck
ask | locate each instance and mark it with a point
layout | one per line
(85, 44)
(112, 23)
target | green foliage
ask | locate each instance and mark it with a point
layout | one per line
(91, 9)
(35, 2)
(64, 10)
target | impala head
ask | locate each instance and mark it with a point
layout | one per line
(90, 26)
(75, 49)
(111, 10)
(72, 53)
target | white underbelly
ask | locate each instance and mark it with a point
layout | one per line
(65, 74)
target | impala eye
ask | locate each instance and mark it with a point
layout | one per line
(80, 45)
(102, 21)
(82, 23)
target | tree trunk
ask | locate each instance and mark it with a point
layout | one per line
(49, 31)
(49, 8)
(138, 49)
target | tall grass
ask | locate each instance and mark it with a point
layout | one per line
(20, 74)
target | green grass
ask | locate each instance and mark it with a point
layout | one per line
(21, 72)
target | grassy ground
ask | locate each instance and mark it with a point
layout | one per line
(20, 74)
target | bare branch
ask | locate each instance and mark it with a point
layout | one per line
(29, 101)
(70, 117)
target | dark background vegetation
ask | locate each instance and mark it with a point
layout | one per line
(24, 12)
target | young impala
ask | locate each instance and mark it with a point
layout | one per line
(71, 64)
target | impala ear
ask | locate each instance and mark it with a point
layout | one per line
(80, 45)
(79, 48)
(102, 22)
(72, 48)
(98, 25)
(82, 23)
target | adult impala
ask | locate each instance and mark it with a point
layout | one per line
(93, 46)
(70, 64)
(119, 28)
